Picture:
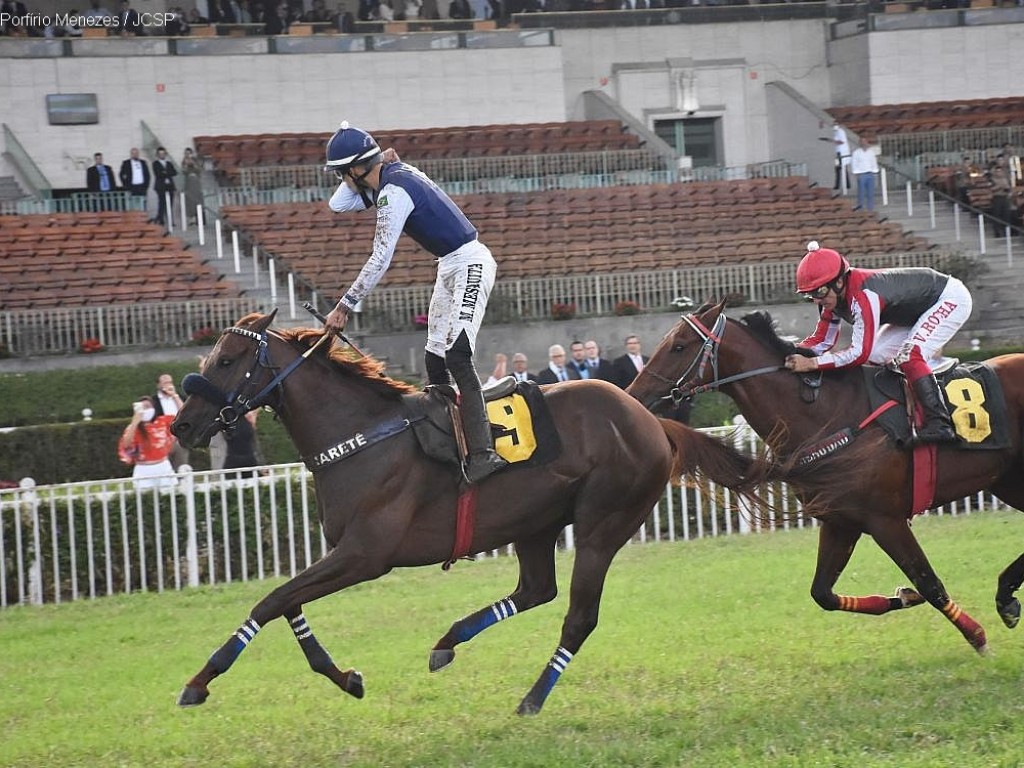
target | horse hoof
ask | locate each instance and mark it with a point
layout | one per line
(1009, 612)
(192, 696)
(441, 658)
(527, 707)
(982, 650)
(909, 597)
(354, 683)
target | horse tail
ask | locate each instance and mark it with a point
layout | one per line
(699, 454)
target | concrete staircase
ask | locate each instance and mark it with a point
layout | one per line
(998, 316)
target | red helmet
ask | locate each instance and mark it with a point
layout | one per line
(819, 267)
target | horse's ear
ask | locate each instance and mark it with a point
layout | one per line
(264, 322)
(721, 305)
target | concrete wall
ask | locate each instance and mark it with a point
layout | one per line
(733, 64)
(181, 96)
(533, 339)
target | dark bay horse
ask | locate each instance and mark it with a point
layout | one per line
(388, 505)
(862, 488)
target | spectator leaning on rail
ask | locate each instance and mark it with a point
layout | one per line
(899, 316)
(407, 201)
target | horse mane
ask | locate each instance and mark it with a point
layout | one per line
(344, 359)
(761, 325)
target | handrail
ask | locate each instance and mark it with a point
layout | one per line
(20, 159)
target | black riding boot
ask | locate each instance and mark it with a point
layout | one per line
(482, 458)
(938, 428)
(437, 370)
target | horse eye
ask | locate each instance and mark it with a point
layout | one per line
(678, 347)
(225, 362)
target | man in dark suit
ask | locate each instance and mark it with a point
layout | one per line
(128, 22)
(600, 368)
(557, 370)
(519, 365)
(163, 184)
(134, 175)
(100, 178)
(627, 367)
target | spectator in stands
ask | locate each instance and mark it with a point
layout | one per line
(520, 366)
(599, 367)
(367, 10)
(318, 13)
(345, 22)
(899, 316)
(429, 11)
(864, 165)
(556, 369)
(842, 150)
(193, 174)
(999, 208)
(626, 367)
(578, 359)
(134, 175)
(407, 201)
(128, 22)
(194, 17)
(100, 178)
(385, 11)
(459, 9)
(163, 183)
(966, 176)
(13, 18)
(97, 11)
(500, 369)
(145, 444)
(73, 27)
(176, 26)
(277, 22)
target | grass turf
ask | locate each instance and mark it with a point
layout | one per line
(708, 653)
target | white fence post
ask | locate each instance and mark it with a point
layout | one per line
(220, 239)
(201, 225)
(235, 252)
(183, 209)
(187, 487)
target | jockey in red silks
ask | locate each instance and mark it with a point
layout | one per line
(899, 316)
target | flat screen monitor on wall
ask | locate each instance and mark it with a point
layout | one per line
(72, 108)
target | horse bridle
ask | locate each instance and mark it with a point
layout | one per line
(711, 341)
(235, 404)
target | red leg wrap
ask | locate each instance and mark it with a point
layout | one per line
(873, 604)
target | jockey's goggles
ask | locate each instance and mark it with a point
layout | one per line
(818, 293)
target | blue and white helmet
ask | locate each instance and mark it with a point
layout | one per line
(350, 146)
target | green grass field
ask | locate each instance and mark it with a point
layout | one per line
(708, 653)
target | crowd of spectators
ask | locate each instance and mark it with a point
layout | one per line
(276, 17)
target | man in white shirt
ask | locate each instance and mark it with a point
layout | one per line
(842, 148)
(864, 165)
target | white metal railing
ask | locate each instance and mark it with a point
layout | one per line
(59, 330)
(768, 282)
(85, 540)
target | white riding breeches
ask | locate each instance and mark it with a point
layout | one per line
(463, 285)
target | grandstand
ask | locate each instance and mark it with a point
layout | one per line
(83, 259)
(585, 231)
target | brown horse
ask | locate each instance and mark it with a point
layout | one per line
(388, 505)
(863, 488)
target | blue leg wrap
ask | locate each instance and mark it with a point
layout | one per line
(553, 671)
(225, 656)
(476, 623)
